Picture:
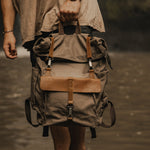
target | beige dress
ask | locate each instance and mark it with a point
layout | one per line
(41, 15)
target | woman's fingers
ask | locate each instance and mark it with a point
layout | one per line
(68, 16)
(9, 46)
(13, 51)
(10, 53)
(69, 11)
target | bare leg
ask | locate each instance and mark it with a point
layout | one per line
(77, 137)
(61, 137)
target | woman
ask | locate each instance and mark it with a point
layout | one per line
(39, 18)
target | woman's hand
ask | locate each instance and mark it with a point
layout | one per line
(69, 10)
(9, 45)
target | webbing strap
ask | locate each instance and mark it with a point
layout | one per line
(89, 53)
(28, 112)
(89, 57)
(78, 28)
(61, 28)
(45, 131)
(93, 133)
(50, 56)
(112, 116)
(70, 92)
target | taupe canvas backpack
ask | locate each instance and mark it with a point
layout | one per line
(68, 81)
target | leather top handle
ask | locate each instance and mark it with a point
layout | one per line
(61, 27)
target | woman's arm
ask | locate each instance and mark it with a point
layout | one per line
(69, 10)
(9, 44)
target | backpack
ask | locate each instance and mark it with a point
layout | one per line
(68, 81)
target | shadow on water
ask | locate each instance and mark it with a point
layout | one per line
(128, 88)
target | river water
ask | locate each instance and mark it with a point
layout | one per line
(128, 88)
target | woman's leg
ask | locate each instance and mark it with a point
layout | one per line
(68, 138)
(61, 137)
(77, 134)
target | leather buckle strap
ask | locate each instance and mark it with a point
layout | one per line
(89, 56)
(89, 53)
(70, 91)
(70, 99)
(91, 74)
(51, 51)
(51, 48)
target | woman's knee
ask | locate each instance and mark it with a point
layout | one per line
(77, 146)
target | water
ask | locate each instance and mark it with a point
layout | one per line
(128, 88)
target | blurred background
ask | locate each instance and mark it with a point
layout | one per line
(127, 25)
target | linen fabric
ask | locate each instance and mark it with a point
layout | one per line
(39, 16)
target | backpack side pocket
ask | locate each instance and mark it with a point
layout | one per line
(37, 95)
(99, 47)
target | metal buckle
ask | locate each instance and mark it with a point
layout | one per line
(49, 62)
(70, 111)
(90, 63)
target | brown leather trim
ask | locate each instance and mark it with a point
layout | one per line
(70, 118)
(89, 53)
(70, 91)
(80, 85)
(48, 69)
(78, 28)
(91, 73)
(61, 28)
(51, 48)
